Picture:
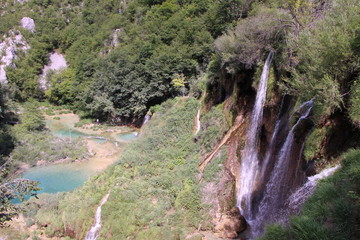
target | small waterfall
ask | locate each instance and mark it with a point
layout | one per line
(277, 189)
(198, 122)
(146, 119)
(303, 193)
(250, 164)
(93, 234)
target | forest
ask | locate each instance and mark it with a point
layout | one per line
(195, 69)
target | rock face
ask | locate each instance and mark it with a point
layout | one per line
(57, 63)
(12, 43)
(28, 24)
(231, 224)
(115, 35)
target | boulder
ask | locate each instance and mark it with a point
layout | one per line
(231, 224)
(28, 24)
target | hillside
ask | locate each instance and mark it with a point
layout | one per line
(237, 107)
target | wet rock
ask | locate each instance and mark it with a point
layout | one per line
(28, 24)
(231, 224)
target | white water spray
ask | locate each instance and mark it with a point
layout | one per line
(304, 192)
(93, 234)
(146, 119)
(250, 163)
(275, 193)
(198, 122)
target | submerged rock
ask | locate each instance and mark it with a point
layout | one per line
(28, 23)
(231, 224)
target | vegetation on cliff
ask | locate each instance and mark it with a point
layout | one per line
(125, 57)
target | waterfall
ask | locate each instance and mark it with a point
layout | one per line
(270, 150)
(277, 188)
(198, 122)
(303, 193)
(250, 164)
(146, 119)
(93, 234)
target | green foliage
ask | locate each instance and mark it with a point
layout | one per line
(32, 147)
(313, 143)
(83, 122)
(354, 110)
(28, 68)
(13, 189)
(275, 231)
(212, 170)
(63, 89)
(32, 118)
(246, 44)
(325, 56)
(213, 127)
(152, 190)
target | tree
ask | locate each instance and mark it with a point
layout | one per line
(32, 119)
(18, 188)
(179, 83)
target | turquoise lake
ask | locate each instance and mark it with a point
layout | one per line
(66, 177)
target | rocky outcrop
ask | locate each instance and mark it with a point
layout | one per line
(115, 37)
(231, 224)
(12, 43)
(57, 63)
(28, 23)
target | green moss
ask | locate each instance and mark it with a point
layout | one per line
(354, 110)
(313, 143)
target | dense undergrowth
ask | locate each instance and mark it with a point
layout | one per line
(154, 193)
(153, 187)
(333, 210)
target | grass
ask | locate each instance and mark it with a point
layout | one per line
(34, 146)
(333, 210)
(153, 187)
(213, 128)
(83, 122)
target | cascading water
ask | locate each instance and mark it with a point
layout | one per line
(270, 150)
(303, 193)
(93, 234)
(146, 119)
(250, 163)
(198, 122)
(277, 189)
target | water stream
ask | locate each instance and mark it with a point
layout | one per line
(296, 199)
(146, 119)
(198, 124)
(93, 233)
(278, 186)
(250, 163)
